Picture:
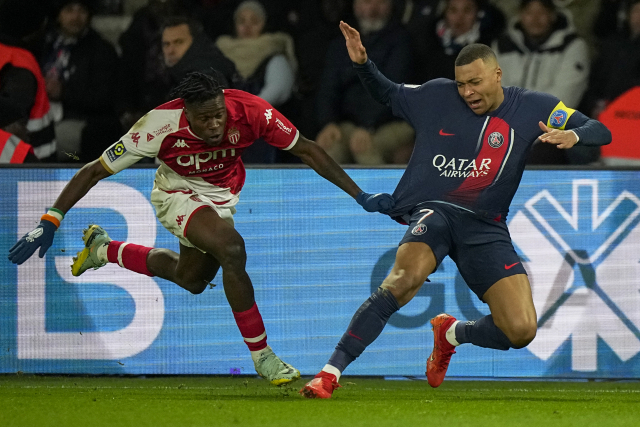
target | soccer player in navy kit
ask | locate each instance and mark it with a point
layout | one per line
(198, 139)
(472, 140)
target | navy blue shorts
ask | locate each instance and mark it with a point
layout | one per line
(480, 247)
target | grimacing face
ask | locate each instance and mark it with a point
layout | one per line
(208, 119)
(479, 85)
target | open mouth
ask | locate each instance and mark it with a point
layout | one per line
(215, 138)
(475, 104)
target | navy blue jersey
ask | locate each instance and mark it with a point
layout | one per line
(469, 160)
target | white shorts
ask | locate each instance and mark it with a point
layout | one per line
(174, 210)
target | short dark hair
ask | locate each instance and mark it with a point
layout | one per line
(473, 52)
(548, 4)
(195, 27)
(197, 88)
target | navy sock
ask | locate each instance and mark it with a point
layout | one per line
(365, 326)
(483, 333)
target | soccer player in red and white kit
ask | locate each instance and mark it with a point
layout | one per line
(198, 139)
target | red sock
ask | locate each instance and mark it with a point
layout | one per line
(252, 329)
(129, 256)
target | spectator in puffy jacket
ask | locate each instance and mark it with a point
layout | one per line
(265, 60)
(541, 51)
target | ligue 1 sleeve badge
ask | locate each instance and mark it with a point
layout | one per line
(233, 135)
(419, 229)
(495, 140)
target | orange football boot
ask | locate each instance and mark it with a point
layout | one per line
(321, 386)
(438, 362)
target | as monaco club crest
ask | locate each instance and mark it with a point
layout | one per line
(233, 135)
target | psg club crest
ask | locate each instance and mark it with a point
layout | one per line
(558, 118)
(419, 229)
(496, 140)
(233, 135)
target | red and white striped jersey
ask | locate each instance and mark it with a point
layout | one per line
(187, 162)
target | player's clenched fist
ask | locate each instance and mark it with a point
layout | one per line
(381, 202)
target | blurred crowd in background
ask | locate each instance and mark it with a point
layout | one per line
(77, 74)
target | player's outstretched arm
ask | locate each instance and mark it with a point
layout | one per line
(42, 236)
(80, 184)
(314, 156)
(378, 86)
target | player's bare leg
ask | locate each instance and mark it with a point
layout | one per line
(218, 238)
(511, 304)
(414, 262)
(192, 269)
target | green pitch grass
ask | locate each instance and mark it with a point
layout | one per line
(27, 400)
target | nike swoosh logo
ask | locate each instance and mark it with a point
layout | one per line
(507, 267)
(443, 133)
(355, 336)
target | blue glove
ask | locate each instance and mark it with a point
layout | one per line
(40, 237)
(381, 202)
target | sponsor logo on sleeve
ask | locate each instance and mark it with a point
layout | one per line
(116, 151)
(283, 127)
(135, 137)
(164, 129)
(268, 114)
(149, 137)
